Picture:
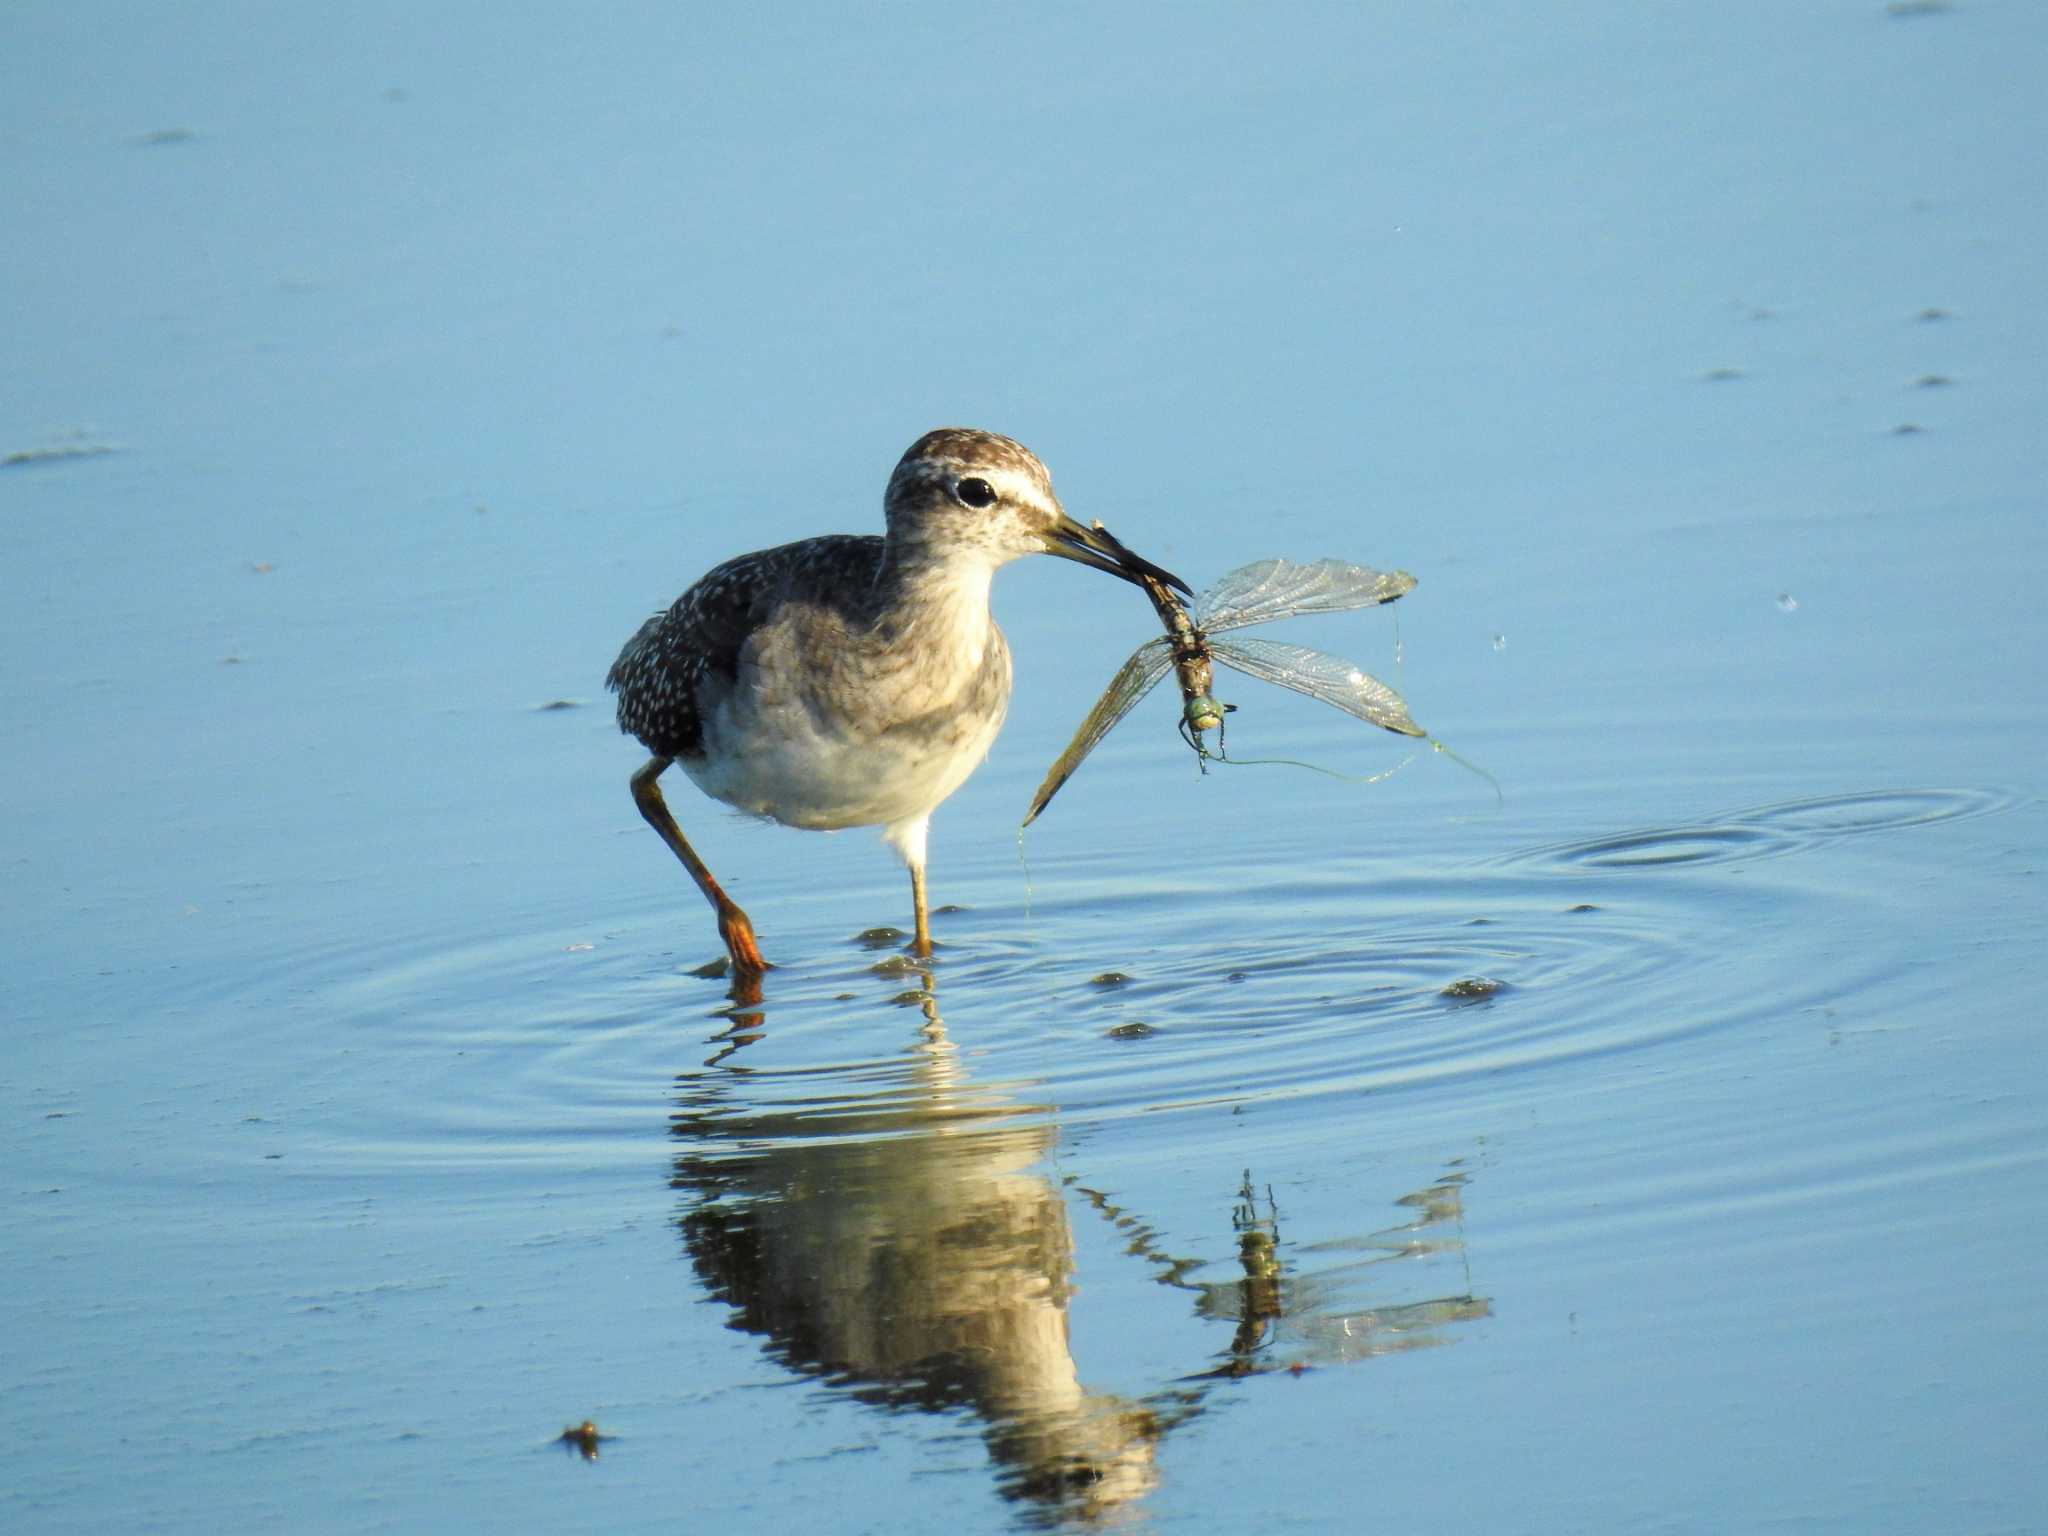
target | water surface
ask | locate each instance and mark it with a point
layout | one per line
(1654, 1147)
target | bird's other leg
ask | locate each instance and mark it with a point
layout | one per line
(733, 925)
(921, 943)
(908, 839)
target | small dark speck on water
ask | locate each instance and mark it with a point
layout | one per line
(1933, 316)
(1720, 375)
(231, 661)
(161, 136)
(1235, 976)
(1933, 381)
(1908, 429)
(1132, 1031)
(1478, 922)
(1110, 979)
(1584, 906)
(1899, 10)
(55, 453)
(879, 938)
(951, 906)
(1472, 989)
(583, 1438)
(559, 704)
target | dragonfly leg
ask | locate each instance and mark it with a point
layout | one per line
(1222, 740)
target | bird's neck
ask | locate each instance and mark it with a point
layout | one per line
(919, 577)
(937, 601)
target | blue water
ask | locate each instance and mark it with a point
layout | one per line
(1654, 1147)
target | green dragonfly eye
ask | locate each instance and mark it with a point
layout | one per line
(1205, 714)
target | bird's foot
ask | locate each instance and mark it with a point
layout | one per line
(738, 933)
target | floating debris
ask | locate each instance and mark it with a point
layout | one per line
(1933, 381)
(1472, 989)
(1134, 1030)
(1908, 429)
(62, 451)
(1110, 979)
(553, 704)
(582, 1438)
(1720, 375)
(1933, 316)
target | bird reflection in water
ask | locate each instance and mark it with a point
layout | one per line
(897, 1235)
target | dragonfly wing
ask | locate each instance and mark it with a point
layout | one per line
(1278, 589)
(1149, 663)
(1321, 676)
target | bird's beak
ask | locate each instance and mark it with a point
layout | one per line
(1098, 547)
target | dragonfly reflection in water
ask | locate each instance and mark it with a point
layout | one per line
(1254, 594)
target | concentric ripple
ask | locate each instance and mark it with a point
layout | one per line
(1109, 1002)
(1767, 831)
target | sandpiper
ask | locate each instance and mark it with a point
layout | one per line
(851, 680)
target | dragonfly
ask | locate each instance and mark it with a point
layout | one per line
(1258, 593)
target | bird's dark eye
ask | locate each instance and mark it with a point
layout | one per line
(976, 492)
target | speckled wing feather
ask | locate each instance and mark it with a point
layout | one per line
(1322, 676)
(659, 674)
(1138, 677)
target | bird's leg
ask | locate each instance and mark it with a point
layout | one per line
(733, 925)
(921, 944)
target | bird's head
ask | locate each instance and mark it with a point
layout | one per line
(961, 493)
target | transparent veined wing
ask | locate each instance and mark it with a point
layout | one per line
(1267, 590)
(1138, 677)
(1321, 676)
